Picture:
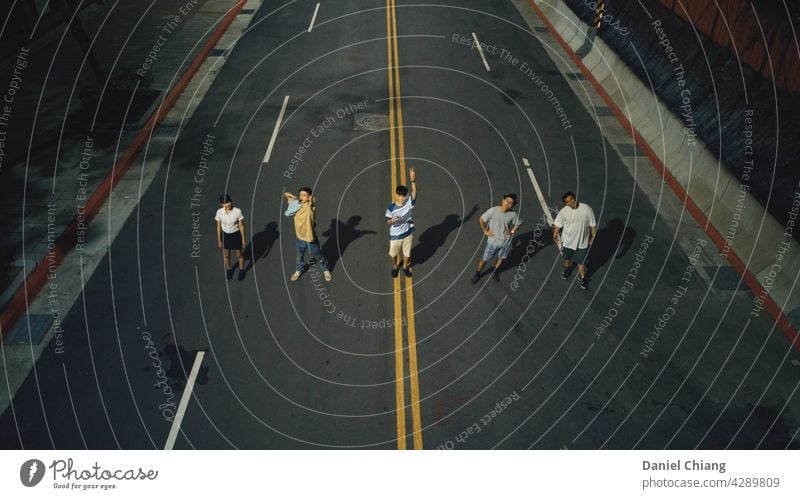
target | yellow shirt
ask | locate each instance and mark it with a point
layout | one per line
(304, 222)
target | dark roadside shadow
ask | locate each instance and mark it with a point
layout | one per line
(340, 235)
(614, 240)
(436, 236)
(524, 247)
(261, 244)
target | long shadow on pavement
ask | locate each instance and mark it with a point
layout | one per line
(261, 244)
(613, 240)
(529, 243)
(340, 235)
(436, 236)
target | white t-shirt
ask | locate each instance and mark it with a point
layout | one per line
(576, 226)
(229, 220)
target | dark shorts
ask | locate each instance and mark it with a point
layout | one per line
(578, 256)
(232, 241)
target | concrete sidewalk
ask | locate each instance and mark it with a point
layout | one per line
(750, 241)
(48, 189)
(74, 112)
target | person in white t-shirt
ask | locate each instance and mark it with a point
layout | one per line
(230, 234)
(574, 230)
(499, 224)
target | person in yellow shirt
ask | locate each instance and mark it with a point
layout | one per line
(302, 208)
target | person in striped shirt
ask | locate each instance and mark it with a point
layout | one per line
(399, 218)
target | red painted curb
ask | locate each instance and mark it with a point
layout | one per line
(66, 241)
(769, 304)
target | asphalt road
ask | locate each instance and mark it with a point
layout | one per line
(313, 364)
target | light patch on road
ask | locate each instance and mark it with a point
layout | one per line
(480, 51)
(313, 18)
(187, 394)
(538, 191)
(275, 131)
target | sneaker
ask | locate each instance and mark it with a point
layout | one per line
(565, 274)
(241, 275)
(327, 275)
(407, 271)
(229, 274)
(496, 276)
(583, 282)
(395, 272)
(475, 278)
(295, 276)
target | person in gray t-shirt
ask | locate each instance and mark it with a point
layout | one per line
(499, 224)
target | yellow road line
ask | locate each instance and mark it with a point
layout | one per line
(399, 378)
(416, 417)
(398, 149)
(389, 44)
(398, 312)
(402, 151)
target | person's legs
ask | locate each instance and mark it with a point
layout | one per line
(496, 269)
(315, 250)
(394, 255)
(502, 254)
(240, 257)
(580, 259)
(300, 261)
(489, 253)
(226, 259)
(567, 254)
(406, 246)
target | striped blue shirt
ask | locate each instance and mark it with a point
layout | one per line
(405, 225)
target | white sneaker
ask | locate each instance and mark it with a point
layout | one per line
(295, 276)
(327, 275)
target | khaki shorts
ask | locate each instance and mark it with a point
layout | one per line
(395, 245)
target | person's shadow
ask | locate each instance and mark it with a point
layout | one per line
(340, 235)
(530, 243)
(261, 244)
(612, 241)
(436, 236)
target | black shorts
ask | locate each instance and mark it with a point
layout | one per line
(232, 241)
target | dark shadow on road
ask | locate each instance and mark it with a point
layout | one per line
(340, 235)
(529, 243)
(261, 244)
(612, 241)
(435, 236)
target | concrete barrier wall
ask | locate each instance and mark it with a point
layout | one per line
(759, 238)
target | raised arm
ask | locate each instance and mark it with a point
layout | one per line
(413, 176)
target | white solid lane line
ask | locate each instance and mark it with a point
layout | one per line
(275, 131)
(313, 18)
(538, 191)
(480, 51)
(187, 394)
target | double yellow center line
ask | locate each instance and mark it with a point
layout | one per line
(397, 150)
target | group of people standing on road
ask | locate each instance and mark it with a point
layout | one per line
(574, 231)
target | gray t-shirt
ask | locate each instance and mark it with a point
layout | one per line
(498, 222)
